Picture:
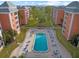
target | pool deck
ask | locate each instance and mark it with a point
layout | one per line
(55, 48)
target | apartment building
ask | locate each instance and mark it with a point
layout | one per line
(23, 15)
(71, 20)
(58, 15)
(9, 17)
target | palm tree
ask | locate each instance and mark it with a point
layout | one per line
(8, 36)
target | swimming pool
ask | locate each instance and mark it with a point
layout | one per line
(40, 44)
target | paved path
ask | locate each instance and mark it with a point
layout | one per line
(15, 52)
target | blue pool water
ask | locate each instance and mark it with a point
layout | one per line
(40, 42)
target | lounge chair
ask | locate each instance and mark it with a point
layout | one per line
(28, 42)
(55, 53)
(54, 45)
(26, 51)
(56, 50)
(26, 45)
(52, 40)
(60, 56)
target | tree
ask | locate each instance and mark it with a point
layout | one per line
(8, 36)
(20, 14)
(14, 57)
(74, 40)
(12, 32)
(34, 12)
(21, 56)
(41, 14)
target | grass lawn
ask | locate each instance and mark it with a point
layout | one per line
(21, 36)
(5, 53)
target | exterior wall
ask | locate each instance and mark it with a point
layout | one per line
(70, 25)
(66, 24)
(23, 16)
(75, 26)
(9, 21)
(58, 15)
(4, 19)
(54, 15)
(14, 21)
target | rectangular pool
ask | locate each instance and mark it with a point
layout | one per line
(40, 44)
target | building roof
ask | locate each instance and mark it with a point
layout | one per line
(59, 7)
(8, 7)
(72, 7)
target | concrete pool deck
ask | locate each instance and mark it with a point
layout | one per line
(55, 48)
(62, 52)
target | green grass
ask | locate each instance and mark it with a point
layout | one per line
(5, 53)
(21, 36)
(73, 50)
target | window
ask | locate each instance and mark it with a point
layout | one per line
(17, 27)
(65, 17)
(15, 13)
(65, 22)
(16, 17)
(11, 14)
(17, 22)
(63, 31)
(64, 27)
(67, 14)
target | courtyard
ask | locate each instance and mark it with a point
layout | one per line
(58, 46)
(55, 48)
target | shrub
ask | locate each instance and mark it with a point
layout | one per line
(8, 36)
(22, 55)
(74, 40)
(14, 57)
